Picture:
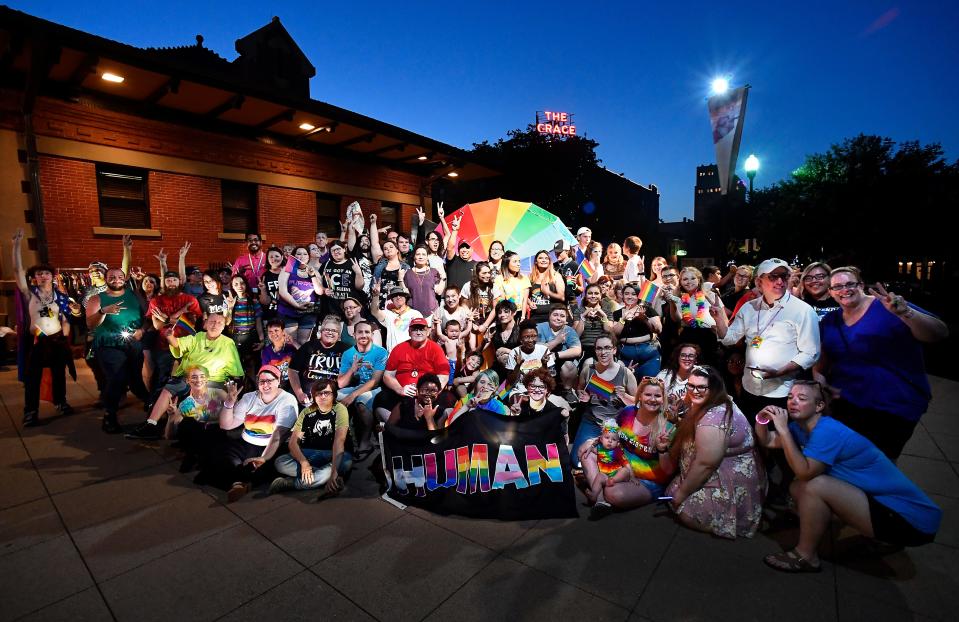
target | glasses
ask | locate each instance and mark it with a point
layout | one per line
(851, 285)
(536, 387)
(687, 357)
(777, 276)
(324, 393)
(815, 278)
(697, 388)
(267, 380)
(329, 331)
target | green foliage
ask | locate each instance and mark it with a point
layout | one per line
(865, 201)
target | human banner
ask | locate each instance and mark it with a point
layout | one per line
(484, 466)
(727, 112)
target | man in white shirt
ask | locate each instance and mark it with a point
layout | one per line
(782, 338)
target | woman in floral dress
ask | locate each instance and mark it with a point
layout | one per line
(721, 484)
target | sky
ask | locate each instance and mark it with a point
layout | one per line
(635, 74)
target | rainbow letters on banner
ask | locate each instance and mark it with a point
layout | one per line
(485, 466)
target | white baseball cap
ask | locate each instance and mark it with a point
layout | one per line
(769, 265)
(583, 230)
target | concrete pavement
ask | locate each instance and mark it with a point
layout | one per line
(96, 527)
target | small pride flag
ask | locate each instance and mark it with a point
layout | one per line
(648, 292)
(292, 264)
(185, 325)
(586, 270)
(602, 389)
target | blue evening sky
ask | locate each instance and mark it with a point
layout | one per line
(635, 74)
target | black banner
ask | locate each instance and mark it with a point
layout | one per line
(484, 466)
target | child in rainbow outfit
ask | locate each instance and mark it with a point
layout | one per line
(612, 462)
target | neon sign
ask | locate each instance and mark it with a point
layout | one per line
(555, 123)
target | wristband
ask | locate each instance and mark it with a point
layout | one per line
(229, 406)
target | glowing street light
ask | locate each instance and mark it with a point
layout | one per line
(720, 85)
(751, 165)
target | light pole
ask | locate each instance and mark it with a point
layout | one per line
(751, 165)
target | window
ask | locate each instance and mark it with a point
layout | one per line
(239, 206)
(123, 197)
(328, 214)
(390, 215)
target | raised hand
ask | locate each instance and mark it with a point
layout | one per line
(127, 242)
(894, 303)
(230, 299)
(185, 249)
(161, 256)
(421, 214)
(172, 408)
(440, 211)
(373, 219)
(232, 391)
(356, 266)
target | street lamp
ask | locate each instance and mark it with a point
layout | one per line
(751, 166)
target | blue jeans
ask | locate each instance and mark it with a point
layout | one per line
(587, 430)
(645, 355)
(363, 398)
(318, 458)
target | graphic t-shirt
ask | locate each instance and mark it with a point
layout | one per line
(272, 282)
(319, 428)
(531, 361)
(398, 326)
(640, 449)
(212, 303)
(821, 307)
(280, 358)
(260, 419)
(339, 278)
(314, 361)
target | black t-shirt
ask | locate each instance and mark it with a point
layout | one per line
(635, 327)
(822, 307)
(459, 272)
(314, 361)
(212, 303)
(272, 282)
(408, 420)
(319, 431)
(388, 280)
(339, 277)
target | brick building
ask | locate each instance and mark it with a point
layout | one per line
(99, 139)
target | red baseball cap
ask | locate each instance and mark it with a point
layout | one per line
(419, 321)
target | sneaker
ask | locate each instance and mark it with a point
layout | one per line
(236, 492)
(110, 425)
(281, 484)
(64, 409)
(146, 431)
(31, 419)
(600, 510)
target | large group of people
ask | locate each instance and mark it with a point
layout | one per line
(724, 394)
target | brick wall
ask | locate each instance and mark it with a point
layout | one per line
(286, 215)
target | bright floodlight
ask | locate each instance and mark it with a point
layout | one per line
(720, 86)
(752, 164)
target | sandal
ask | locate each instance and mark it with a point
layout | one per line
(791, 561)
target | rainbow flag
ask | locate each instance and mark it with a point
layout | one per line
(602, 389)
(586, 270)
(185, 325)
(292, 264)
(648, 292)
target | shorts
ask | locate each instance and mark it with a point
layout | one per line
(889, 526)
(657, 490)
(301, 322)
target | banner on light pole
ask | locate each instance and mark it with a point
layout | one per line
(727, 113)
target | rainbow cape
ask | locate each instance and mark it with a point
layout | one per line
(649, 292)
(602, 389)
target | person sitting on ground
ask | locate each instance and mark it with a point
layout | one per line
(674, 376)
(420, 410)
(721, 484)
(537, 397)
(265, 416)
(320, 444)
(482, 396)
(603, 383)
(361, 374)
(210, 349)
(561, 338)
(645, 435)
(466, 374)
(505, 335)
(278, 350)
(196, 417)
(317, 358)
(611, 466)
(529, 354)
(839, 472)
(408, 361)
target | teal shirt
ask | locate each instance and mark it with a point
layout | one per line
(110, 331)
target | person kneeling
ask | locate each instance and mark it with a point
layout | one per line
(319, 445)
(838, 471)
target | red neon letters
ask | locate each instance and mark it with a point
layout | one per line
(557, 123)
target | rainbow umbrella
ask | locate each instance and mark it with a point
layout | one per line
(522, 227)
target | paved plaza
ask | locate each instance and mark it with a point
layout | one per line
(96, 527)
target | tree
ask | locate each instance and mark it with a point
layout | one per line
(864, 202)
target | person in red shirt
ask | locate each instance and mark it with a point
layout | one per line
(407, 363)
(166, 309)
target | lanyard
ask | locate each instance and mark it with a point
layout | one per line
(256, 268)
